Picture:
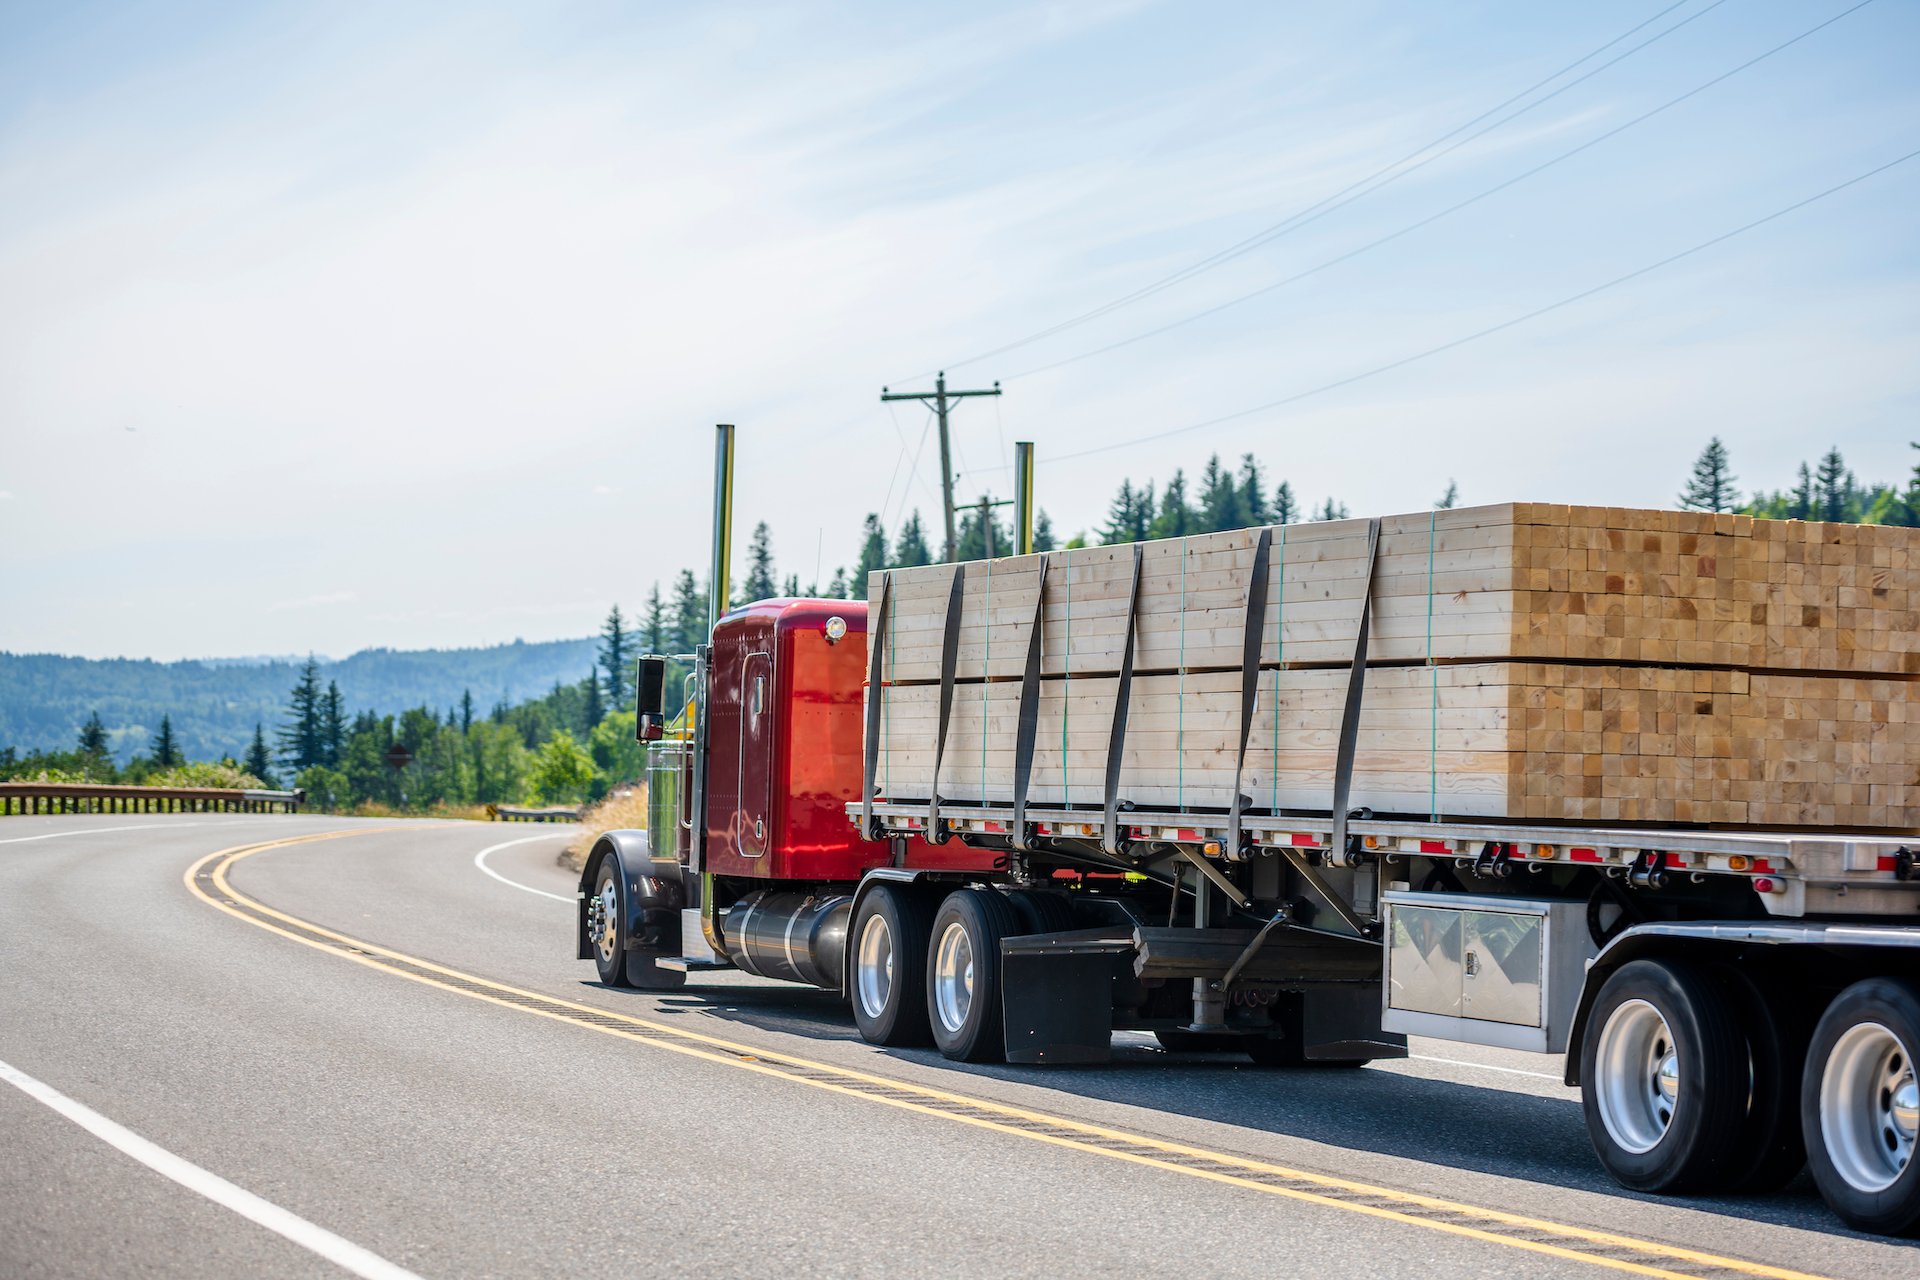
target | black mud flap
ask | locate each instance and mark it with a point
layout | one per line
(1057, 994)
(1343, 1022)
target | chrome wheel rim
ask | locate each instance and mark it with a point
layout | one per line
(604, 924)
(953, 977)
(1638, 1076)
(873, 966)
(1869, 1106)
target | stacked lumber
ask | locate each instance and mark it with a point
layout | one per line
(1527, 661)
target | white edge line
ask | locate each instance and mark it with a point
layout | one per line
(480, 861)
(1488, 1066)
(95, 831)
(341, 1252)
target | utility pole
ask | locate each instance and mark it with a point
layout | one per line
(938, 398)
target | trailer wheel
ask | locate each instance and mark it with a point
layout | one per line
(1860, 1106)
(888, 981)
(1663, 1076)
(605, 926)
(963, 975)
(1770, 1149)
(1040, 912)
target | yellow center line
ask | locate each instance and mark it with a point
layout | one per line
(753, 1058)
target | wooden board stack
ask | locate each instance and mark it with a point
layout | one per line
(1527, 662)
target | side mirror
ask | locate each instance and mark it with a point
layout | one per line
(650, 686)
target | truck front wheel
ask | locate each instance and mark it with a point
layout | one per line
(963, 975)
(888, 982)
(1664, 1076)
(1860, 1106)
(605, 927)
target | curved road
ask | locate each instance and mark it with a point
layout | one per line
(410, 1071)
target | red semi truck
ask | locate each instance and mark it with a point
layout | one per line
(1721, 1038)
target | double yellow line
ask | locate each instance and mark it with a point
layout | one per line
(207, 879)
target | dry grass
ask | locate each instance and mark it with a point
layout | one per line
(622, 809)
(372, 809)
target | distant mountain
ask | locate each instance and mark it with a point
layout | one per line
(45, 698)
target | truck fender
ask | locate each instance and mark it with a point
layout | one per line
(651, 892)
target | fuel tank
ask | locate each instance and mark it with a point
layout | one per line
(795, 937)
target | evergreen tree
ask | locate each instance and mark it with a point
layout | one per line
(1906, 507)
(1253, 501)
(1802, 506)
(1286, 508)
(760, 584)
(1331, 510)
(1042, 532)
(1834, 487)
(1219, 499)
(653, 629)
(93, 738)
(594, 710)
(1450, 499)
(873, 554)
(911, 549)
(1130, 515)
(333, 726)
(616, 656)
(1711, 488)
(1175, 519)
(973, 535)
(791, 587)
(165, 751)
(689, 613)
(299, 737)
(258, 764)
(837, 589)
(466, 711)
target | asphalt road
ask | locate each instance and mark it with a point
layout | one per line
(460, 1137)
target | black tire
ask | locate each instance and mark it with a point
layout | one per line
(1661, 1130)
(1770, 1149)
(1848, 1110)
(888, 974)
(1197, 1041)
(607, 924)
(1039, 912)
(963, 975)
(645, 974)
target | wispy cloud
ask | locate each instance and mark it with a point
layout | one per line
(312, 602)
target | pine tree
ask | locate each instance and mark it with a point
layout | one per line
(1220, 506)
(333, 726)
(1042, 532)
(1286, 508)
(760, 583)
(299, 737)
(653, 629)
(1833, 487)
(911, 549)
(1906, 507)
(93, 737)
(973, 535)
(1711, 488)
(466, 711)
(1450, 499)
(258, 764)
(1175, 519)
(837, 589)
(616, 655)
(1253, 501)
(165, 751)
(1331, 510)
(1801, 506)
(689, 613)
(1130, 515)
(791, 587)
(595, 710)
(873, 554)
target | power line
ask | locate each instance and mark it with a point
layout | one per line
(1415, 226)
(1327, 205)
(1508, 324)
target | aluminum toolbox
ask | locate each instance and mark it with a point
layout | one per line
(1484, 970)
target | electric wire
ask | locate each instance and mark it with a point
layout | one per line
(1493, 329)
(1353, 191)
(1432, 218)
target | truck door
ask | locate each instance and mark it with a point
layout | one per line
(755, 816)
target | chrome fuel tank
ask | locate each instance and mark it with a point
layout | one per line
(795, 937)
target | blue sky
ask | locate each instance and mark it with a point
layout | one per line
(331, 326)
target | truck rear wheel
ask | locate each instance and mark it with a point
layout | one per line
(888, 982)
(1770, 1149)
(1860, 1106)
(963, 975)
(1663, 1076)
(606, 927)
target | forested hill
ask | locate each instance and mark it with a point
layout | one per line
(45, 698)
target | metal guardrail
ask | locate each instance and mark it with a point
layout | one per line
(87, 797)
(509, 813)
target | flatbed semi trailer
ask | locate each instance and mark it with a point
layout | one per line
(1734, 1004)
